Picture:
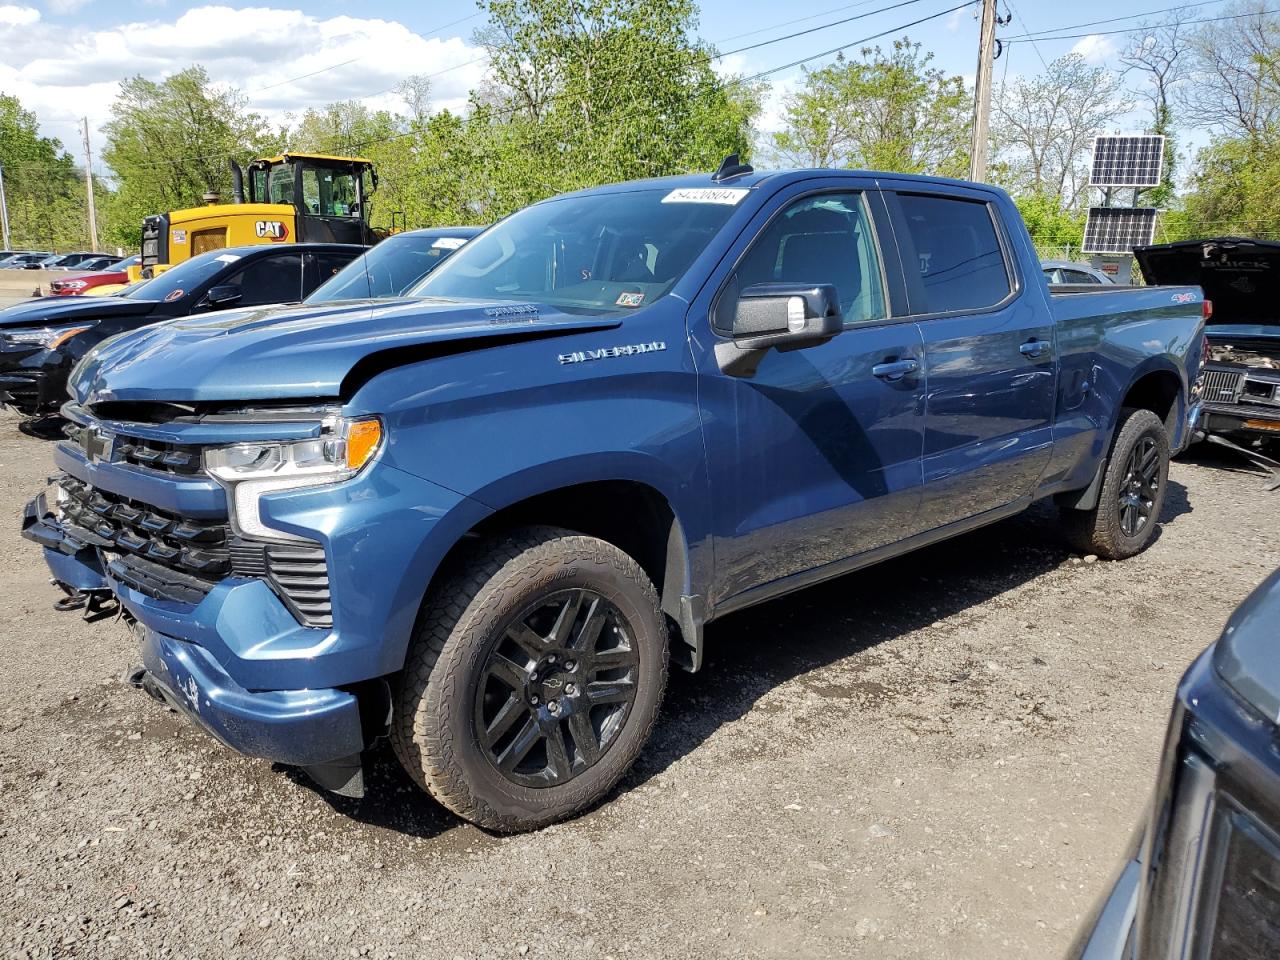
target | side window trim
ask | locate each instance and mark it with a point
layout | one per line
(864, 191)
(907, 253)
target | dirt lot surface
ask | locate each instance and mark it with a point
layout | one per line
(940, 757)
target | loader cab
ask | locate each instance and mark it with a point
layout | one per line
(290, 198)
(329, 195)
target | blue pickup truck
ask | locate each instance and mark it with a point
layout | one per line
(481, 518)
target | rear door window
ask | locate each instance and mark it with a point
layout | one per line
(957, 253)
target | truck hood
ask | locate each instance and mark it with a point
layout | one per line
(1246, 655)
(51, 310)
(1240, 276)
(300, 352)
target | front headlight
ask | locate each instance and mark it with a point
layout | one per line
(48, 337)
(248, 470)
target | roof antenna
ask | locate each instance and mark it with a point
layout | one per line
(730, 168)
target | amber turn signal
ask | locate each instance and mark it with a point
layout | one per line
(363, 438)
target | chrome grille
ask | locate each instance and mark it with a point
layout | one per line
(1222, 386)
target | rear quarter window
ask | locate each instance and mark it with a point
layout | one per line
(958, 254)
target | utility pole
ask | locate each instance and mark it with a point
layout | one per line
(982, 93)
(4, 211)
(88, 182)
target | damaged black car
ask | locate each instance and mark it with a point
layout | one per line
(1241, 385)
(41, 340)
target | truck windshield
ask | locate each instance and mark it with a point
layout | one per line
(387, 270)
(595, 253)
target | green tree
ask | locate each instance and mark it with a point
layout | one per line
(170, 142)
(884, 111)
(583, 92)
(44, 188)
(1234, 189)
(1056, 233)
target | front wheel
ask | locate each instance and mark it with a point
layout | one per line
(1133, 488)
(534, 679)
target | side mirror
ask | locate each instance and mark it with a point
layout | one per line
(781, 316)
(223, 295)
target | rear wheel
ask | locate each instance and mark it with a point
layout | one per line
(1133, 488)
(534, 680)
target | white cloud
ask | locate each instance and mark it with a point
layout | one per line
(63, 72)
(957, 17)
(1094, 48)
(66, 6)
(13, 16)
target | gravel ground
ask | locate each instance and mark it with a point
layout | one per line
(940, 757)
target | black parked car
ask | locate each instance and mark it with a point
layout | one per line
(1205, 880)
(41, 340)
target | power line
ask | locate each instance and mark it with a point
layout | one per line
(1108, 33)
(1127, 16)
(717, 56)
(854, 43)
(1034, 46)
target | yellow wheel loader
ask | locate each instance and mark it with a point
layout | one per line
(290, 198)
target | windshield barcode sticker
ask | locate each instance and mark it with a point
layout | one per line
(729, 196)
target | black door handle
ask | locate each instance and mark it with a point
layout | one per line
(1034, 348)
(895, 369)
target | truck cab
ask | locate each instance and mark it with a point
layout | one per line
(290, 198)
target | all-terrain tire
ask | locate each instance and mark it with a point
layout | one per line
(435, 729)
(1101, 530)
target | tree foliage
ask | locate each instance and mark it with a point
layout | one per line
(883, 111)
(1234, 92)
(1235, 73)
(44, 188)
(1159, 55)
(583, 92)
(170, 142)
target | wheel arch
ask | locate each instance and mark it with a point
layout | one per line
(633, 510)
(1156, 386)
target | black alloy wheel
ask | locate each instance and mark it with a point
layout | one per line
(1124, 518)
(1140, 488)
(556, 689)
(534, 678)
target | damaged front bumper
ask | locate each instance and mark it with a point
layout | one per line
(320, 730)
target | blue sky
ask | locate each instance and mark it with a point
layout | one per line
(63, 58)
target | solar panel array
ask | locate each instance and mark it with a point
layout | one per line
(1127, 161)
(1118, 229)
